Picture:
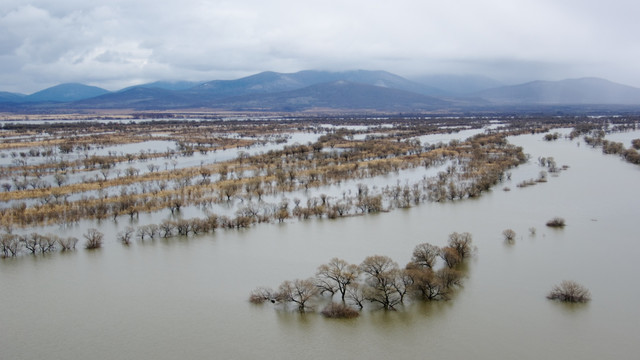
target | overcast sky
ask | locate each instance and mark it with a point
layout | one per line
(116, 43)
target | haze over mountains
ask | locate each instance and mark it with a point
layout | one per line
(358, 90)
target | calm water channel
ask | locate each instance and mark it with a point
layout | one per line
(188, 298)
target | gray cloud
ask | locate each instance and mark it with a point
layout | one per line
(115, 43)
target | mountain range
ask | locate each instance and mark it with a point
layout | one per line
(312, 90)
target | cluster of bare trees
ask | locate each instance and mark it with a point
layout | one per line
(552, 136)
(170, 228)
(474, 165)
(631, 155)
(12, 245)
(479, 163)
(378, 280)
(549, 166)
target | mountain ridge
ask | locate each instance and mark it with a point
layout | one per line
(311, 89)
(578, 91)
(339, 94)
(66, 92)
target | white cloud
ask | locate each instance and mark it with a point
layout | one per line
(116, 42)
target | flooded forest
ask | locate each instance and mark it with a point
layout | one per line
(266, 236)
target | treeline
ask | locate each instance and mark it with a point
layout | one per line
(378, 280)
(12, 245)
(630, 155)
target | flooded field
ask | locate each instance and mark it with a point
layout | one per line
(188, 296)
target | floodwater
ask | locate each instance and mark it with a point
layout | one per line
(187, 298)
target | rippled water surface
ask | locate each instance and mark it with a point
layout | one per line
(188, 298)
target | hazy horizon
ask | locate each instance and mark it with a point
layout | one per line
(115, 43)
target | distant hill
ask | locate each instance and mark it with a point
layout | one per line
(167, 85)
(572, 91)
(264, 82)
(66, 93)
(449, 84)
(140, 98)
(348, 90)
(10, 97)
(335, 95)
(274, 91)
(271, 82)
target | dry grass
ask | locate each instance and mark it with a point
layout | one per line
(293, 168)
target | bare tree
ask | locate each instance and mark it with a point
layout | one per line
(382, 281)
(461, 243)
(449, 277)
(31, 242)
(94, 239)
(297, 291)
(261, 294)
(60, 178)
(229, 190)
(509, 235)
(355, 295)
(425, 255)
(10, 244)
(570, 291)
(450, 256)
(337, 274)
(326, 286)
(68, 243)
(126, 235)
(166, 228)
(426, 284)
(47, 243)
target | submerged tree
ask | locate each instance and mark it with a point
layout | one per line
(556, 222)
(384, 283)
(450, 256)
(426, 285)
(509, 235)
(337, 275)
(297, 291)
(425, 255)
(570, 291)
(10, 244)
(461, 243)
(126, 235)
(262, 294)
(94, 239)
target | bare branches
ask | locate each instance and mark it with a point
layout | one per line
(377, 280)
(556, 222)
(461, 243)
(297, 291)
(94, 239)
(509, 235)
(383, 281)
(570, 291)
(425, 255)
(262, 294)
